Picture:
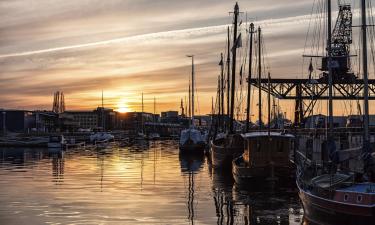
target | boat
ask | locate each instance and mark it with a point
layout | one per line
(227, 145)
(56, 142)
(101, 137)
(191, 139)
(332, 192)
(225, 149)
(154, 136)
(266, 158)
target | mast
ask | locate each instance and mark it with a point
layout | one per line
(192, 89)
(154, 108)
(249, 77)
(269, 103)
(330, 82)
(142, 123)
(365, 73)
(221, 88)
(103, 122)
(189, 108)
(259, 77)
(228, 76)
(234, 53)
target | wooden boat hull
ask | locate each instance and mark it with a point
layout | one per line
(325, 211)
(254, 176)
(222, 154)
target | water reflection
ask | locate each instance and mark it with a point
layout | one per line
(147, 183)
(190, 165)
(57, 157)
(237, 205)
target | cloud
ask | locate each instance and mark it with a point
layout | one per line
(126, 47)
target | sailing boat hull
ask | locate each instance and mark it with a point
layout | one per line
(222, 156)
(325, 211)
(246, 176)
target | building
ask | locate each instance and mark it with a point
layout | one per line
(15, 120)
(169, 117)
(72, 120)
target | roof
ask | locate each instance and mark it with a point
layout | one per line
(265, 134)
(368, 188)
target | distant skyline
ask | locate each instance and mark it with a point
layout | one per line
(126, 47)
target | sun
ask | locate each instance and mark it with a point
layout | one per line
(122, 106)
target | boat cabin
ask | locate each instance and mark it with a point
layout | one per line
(263, 148)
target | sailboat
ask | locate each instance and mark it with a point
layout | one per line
(141, 134)
(266, 157)
(154, 135)
(102, 137)
(191, 139)
(331, 193)
(229, 145)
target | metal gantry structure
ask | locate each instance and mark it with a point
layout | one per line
(345, 84)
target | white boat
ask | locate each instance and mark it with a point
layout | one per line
(57, 142)
(101, 136)
(154, 136)
(191, 139)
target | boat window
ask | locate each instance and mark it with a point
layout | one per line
(359, 198)
(346, 197)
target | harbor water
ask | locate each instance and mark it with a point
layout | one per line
(147, 183)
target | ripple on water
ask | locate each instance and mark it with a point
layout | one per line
(147, 184)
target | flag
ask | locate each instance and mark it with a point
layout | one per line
(238, 43)
(221, 62)
(311, 68)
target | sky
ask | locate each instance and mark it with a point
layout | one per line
(126, 47)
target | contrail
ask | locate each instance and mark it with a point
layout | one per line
(160, 35)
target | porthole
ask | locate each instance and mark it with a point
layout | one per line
(359, 198)
(346, 197)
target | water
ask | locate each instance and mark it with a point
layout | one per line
(142, 184)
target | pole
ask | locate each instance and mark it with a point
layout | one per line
(228, 78)
(142, 116)
(249, 77)
(365, 73)
(330, 81)
(269, 104)
(234, 53)
(192, 88)
(259, 77)
(221, 98)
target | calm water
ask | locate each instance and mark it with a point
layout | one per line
(142, 184)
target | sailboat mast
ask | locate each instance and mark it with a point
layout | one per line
(192, 89)
(234, 54)
(228, 76)
(221, 88)
(249, 77)
(269, 103)
(103, 120)
(330, 81)
(154, 109)
(259, 78)
(142, 116)
(365, 73)
(189, 110)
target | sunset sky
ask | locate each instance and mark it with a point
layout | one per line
(126, 47)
